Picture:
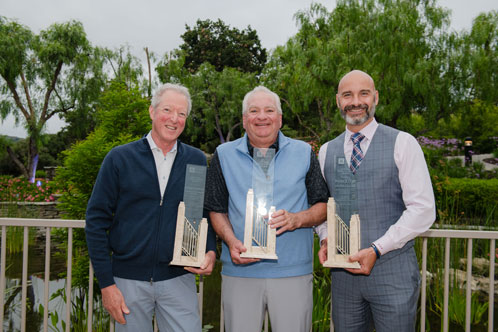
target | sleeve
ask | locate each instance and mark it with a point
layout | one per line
(321, 230)
(316, 187)
(418, 195)
(216, 199)
(99, 219)
(211, 235)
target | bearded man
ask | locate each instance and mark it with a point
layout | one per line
(379, 173)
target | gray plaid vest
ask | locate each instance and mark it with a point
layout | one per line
(374, 191)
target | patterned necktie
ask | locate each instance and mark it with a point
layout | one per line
(357, 155)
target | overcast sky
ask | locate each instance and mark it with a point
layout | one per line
(159, 24)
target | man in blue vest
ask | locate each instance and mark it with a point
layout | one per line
(381, 174)
(250, 286)
(131, 223)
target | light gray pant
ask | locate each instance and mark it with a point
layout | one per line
(289, 302)
(386, 299)
(173, 301)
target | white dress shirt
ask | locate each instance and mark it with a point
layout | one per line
(164, 163)
(416, 186)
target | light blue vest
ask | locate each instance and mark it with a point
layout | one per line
(291, 163)
(374, 191)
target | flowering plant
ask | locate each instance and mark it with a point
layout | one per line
(21, 190)
(448, 146)
(315, 146)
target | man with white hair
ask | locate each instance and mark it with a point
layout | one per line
(379, 173)
(131, 223)
(250, 286)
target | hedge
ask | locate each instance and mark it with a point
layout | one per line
(467, 201)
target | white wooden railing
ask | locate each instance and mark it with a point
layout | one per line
(469, 236)
(48, 224)
(464, 235)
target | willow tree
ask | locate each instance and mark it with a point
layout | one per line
(396, 42)
(42, 75)
(481, 54)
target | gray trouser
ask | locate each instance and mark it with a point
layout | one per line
(386, 299)
(289, 302)
(173, 301)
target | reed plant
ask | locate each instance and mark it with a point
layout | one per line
(79, 315)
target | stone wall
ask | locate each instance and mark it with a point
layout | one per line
(40, 210)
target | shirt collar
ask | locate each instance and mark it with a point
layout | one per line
(250, 148)
(153, 145)
(368, 131)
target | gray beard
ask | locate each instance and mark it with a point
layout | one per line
(356, 121)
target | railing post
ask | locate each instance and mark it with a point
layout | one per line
(446, 284)
(24, 278)
(89, 320)
(69, 277)
(47, 278)
(2, 274)
(468, 295)
(424, 285)
(491, 300)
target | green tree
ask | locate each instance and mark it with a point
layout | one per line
(219, 65)
(222, 46)
(216, 112)
(397, 42)
(480, 58)
(122, 116)
(472, 96)
(43, 75)
(117, 65)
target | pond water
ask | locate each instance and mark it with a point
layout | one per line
(35, 292)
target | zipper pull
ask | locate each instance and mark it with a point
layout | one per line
(161, 202)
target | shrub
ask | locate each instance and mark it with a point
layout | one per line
(41, 174)
(123, 117)
(469, 201)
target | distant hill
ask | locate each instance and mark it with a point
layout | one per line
(12, 138)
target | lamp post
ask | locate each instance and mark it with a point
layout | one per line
(467, 145)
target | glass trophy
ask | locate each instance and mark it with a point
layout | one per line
(191, 228)
(342, 241)
(259, 238)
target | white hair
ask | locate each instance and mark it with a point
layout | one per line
(245, 102)
(156, 99)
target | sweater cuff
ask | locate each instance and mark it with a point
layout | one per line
(105, 280)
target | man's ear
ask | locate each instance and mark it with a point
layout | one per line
(151, 112)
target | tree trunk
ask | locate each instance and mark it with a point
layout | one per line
(149, 87)
(18, 163)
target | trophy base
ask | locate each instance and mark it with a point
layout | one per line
(256, 252)
(186, 261)
(342, 263)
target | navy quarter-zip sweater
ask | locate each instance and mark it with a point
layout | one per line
(130, 233)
